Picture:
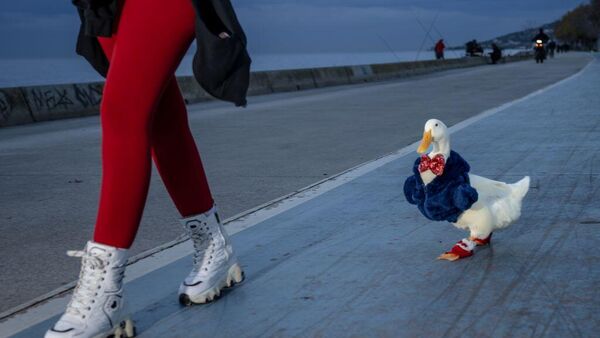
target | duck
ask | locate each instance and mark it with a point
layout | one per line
(443, 189)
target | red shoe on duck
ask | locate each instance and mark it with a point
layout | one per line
(462, 249)
(485, 241)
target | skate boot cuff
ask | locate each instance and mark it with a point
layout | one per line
(201, 217)
(106, 247)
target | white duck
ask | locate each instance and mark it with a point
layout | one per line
(498, 204)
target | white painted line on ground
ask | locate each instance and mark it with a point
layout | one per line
(53, 303)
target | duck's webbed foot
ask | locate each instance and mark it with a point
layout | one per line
(462, 249)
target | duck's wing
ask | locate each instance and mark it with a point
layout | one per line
(489, 189)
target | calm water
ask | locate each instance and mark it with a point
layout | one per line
(28, 72)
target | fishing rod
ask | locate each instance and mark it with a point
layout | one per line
(438, 33)
(389, 47)
(427, 35)
(425, 30)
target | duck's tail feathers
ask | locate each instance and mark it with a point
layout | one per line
(520, 189)
(508, 209)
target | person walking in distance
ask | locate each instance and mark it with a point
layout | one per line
(439, 49)
(137, 45)
(496, 54)
(551, 48)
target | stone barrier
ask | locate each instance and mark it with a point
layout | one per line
(21, 105)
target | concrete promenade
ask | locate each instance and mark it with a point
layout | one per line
(348, 257)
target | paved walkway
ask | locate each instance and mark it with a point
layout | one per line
(50, 172)
(352, 258)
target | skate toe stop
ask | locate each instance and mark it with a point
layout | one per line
(185, 300)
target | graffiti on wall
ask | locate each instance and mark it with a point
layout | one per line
(40, 103)
(49, 99)
(88, 95)
(64, 98)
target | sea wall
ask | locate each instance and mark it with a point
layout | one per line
(21, 105)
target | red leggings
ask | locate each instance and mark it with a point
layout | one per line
(143, 115)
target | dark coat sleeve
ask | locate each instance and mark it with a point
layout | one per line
(221, 65)
(464, 196)
(413, 191)
(97, 18)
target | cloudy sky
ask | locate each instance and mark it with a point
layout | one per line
(48, 28)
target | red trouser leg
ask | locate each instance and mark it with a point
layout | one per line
(143, 113)
(176, 156)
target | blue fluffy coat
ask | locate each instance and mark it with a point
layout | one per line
(447, 196)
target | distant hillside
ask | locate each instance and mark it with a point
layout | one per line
(516, 40)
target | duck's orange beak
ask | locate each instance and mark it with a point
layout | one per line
(425, 142)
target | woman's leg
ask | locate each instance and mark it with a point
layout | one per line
(151, 39)
(176, 156)
(174, 150)
(177, 159)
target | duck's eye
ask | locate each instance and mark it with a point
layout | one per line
(436, 124)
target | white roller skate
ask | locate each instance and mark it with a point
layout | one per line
(215, 264)
(96, 307)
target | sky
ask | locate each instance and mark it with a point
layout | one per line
(48, 28)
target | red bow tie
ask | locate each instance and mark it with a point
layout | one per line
(436, 164)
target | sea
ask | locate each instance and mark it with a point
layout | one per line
(32, 72)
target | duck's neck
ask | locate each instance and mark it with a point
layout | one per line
(441, 147)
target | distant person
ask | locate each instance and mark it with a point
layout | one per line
(439, 49)
(551, 48)
(469, 48)
(540, 42)
(541, 36)
(473, 48)
(496, 53)
(478, 49)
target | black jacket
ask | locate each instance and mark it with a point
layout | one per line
(221, 66)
